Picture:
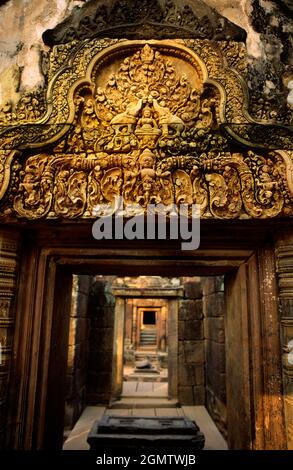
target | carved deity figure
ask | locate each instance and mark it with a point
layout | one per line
(147, 129)
(89, 118)
(147, 121)
(147, 173)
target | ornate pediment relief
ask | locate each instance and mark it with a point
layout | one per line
(144, 120)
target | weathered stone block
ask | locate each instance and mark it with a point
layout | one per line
(193, 290)
(191, 352)
(100, 362)
(98, 398)
(214, 329)
(82, 305)
(190, 310)
(84, 284)
(208, 286)
(71, 358)
(81, 355)
(218, 411)
(191, 375)
(215, 356)
(190, 330)
(80, 380)
(219, 284)
(199, 395)
(216, 382)
(103, 318)
(77, 356)
(185, 395)
(72, 332)
(140, 433)
(100, 295)
(75, 383)
(215, 305)
(102, 338)
(211, 285)
(82, 329)
(99, 382)
(68, 414)
(70, 389)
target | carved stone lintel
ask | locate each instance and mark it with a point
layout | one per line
(145, 126)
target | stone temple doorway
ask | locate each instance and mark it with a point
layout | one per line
(145, 369)
(150, 305)
(161, 117)
(186, 307)
(254, 404)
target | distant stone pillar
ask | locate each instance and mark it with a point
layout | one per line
(163, 329)
(9, 253)
(134, 327)
(284, 255)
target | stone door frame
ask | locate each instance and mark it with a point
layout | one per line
(170, 296)
(52, 253)
(140, 322)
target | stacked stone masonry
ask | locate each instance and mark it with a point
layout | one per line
(77, 351)
(101, 311)
(214, 310)
(191, 359)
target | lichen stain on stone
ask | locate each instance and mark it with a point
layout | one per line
(21, 28)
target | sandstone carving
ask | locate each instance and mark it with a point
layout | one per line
(149, 127)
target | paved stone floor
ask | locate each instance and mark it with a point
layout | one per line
(167, 412)
(77, 438)
(145, 389)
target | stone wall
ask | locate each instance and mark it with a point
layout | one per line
(23, 57)
(214, 332)
(77, 351)
(101, 311)
(191, 377)
(129, 320)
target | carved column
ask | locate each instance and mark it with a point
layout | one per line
(9, 248)
(284, 254)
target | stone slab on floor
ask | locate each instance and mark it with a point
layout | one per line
(131, 432)
(77, 439)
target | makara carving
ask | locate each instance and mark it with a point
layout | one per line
(143, 120)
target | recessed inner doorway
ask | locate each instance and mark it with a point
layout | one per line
(149, 318)
(171, 359)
